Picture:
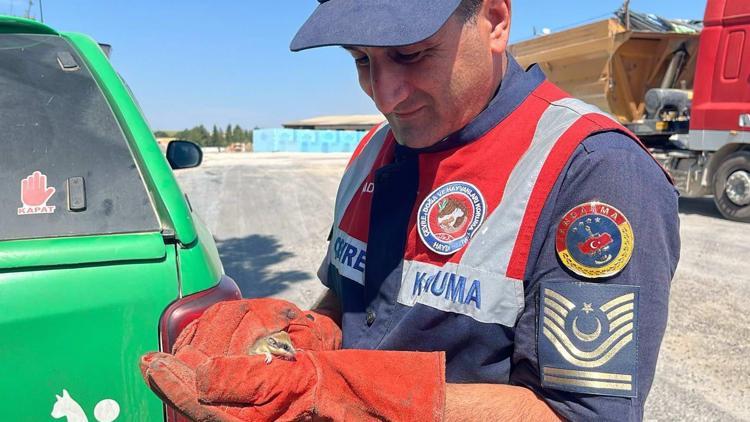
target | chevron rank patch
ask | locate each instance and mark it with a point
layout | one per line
(588, 337)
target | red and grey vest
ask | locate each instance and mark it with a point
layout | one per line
(460, 284)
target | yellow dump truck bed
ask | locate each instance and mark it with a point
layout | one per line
(605, 64)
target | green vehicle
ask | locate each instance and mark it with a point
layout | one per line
(101, 256)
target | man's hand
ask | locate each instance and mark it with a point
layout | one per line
(481, 402)
(329, 305)
(339, 385)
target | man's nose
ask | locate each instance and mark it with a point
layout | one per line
(389, 86)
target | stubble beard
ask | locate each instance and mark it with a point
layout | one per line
(415, 135)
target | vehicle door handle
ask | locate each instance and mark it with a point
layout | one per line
(745, 120)
(76, 194)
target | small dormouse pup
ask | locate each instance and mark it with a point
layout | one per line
(277, 344)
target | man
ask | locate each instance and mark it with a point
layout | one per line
(520, 241)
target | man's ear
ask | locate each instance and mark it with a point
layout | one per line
(498, 14)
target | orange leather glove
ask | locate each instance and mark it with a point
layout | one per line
(344, 385)
(174, 382)
(230, 328)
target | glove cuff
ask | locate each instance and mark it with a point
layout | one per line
(380, 385)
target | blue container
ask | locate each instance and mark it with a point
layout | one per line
(263, 140)
(285, 140)
(304, 135)
(306, 140)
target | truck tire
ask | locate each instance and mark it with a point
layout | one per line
(732, 187)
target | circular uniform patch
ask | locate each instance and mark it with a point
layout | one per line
(449, 216)
(594, 240)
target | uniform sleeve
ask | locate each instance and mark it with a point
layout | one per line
(325, 264)
(588, 346)
(324, 268)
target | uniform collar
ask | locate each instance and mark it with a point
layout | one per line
(514, 88)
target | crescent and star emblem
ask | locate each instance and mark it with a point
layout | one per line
(588, 338)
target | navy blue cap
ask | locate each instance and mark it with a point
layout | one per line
(373, 23)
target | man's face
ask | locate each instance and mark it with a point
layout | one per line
(433, 88)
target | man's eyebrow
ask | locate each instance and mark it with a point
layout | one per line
(431, 42)
(421, 45)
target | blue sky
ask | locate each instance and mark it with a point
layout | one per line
(217, 62)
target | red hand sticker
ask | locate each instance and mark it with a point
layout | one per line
(34, 190)
(35, 194)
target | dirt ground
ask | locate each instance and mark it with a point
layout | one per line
(271, 213)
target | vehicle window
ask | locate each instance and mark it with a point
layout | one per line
(65, 165)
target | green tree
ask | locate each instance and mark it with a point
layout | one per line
(228, 136)
(215, 137)
(223, 138)
(161, 134)
(183, 134)
(237, 134)
(198, 134)
(203, 135)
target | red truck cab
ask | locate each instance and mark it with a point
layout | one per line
(720, 115)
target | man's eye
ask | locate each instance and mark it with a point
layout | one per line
(362, 61)
(409, 58)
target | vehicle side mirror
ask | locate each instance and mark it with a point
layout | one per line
(107, 49)
(184, 155)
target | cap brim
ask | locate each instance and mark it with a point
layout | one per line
(373, 23)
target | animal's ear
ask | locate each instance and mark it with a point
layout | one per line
(65, 393)
(58, 397)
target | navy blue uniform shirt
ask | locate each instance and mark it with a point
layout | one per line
(608, 167)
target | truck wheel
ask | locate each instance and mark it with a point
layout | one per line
(732, 187)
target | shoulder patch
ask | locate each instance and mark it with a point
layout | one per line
(588, 338)
(594, 240)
